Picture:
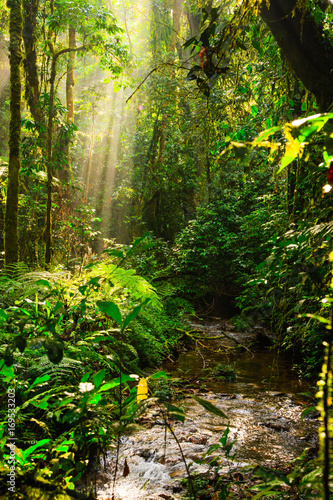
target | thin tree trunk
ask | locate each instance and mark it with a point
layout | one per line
(48, 229)
(11, 217)
(91, 150)
(70, 75)
(126, 28)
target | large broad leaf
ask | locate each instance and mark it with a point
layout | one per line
(265, 135)
(38, 381)
(111, 309)
(286, 160)
(176, 412)
(98, 378)
(115, 382)
(3, 315)
(132, 315)
(43, 282)
(209, 407)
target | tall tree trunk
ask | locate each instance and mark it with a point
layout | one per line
(176, 15)
(70, 75)
(48, 229)
(32, 87)
(126, 29)
(65, 174)
(90, 158)
(11, 217)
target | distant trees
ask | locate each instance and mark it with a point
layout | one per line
(11, 215)
(43, 29)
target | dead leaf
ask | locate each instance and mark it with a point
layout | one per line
(126, 469)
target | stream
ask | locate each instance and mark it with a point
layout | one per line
(264, 405)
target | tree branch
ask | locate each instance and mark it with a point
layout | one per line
(304, 45)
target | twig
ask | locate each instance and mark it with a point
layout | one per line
(190, 480)
(201, 356)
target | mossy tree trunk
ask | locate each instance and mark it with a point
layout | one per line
(32, 87)
(48, 229)
(11, 217)
(70, 74)
(304, 44)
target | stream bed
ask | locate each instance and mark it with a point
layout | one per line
(264, 406)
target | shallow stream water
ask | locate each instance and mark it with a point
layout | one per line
(264, 406)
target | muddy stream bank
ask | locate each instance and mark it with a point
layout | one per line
(264, 405)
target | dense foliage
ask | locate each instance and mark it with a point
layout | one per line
(203, 133)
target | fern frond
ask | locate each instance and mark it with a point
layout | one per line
(62, 373)
(126, 280)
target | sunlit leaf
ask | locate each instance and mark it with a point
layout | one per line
(39, 380)
(115, 382)
(111, 309)
(209, 406)
(158, 375)
(132, 315)
(254, 110)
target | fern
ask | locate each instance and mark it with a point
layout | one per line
(116, 279)
(17, 282)
(60, 374)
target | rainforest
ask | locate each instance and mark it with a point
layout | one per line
(166, 305)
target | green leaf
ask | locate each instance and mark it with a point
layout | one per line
(286, 160)
(85, 377)
(111, 309)
(189, 42)
(265, 134)
(98, 378)
(132, 315)
(29, 450)
(57, 307)
(38, 381)
(266, 492)
(114, 252)
(43, 282)
(176, 412)
(209, 407)
(94, 399)
(254, 111)
(115, 382)
(158, 375)
(3, 315)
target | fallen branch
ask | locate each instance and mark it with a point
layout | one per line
(217, 337)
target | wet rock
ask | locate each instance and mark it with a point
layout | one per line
(227, 396)
(278, 425)
(275, 394)
(197, 439)
(146, 454)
